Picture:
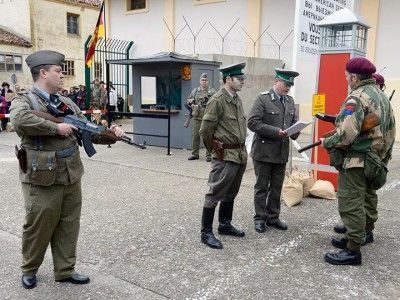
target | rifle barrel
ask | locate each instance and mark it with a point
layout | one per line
(309, 146)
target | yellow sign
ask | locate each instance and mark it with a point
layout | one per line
(318, 104)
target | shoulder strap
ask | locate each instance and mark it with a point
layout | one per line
(35, 105)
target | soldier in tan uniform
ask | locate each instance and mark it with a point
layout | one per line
(197, 100)
(224, 132)
(51, 174)
(361, 158)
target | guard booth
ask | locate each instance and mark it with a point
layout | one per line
(161, 84)
(343, 36)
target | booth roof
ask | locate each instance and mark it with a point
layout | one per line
(160, 58)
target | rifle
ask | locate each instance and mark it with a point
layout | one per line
(370, 121)
(188, 116)
(88, 132)
(391, 95)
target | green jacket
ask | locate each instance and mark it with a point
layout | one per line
(28, 127)
(200, 98)
(225, 120)
(364, 99)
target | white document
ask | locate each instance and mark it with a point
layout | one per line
(296, 127)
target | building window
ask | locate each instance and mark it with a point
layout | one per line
(136, 6)
(199, 2)
(72, 24)
(98, 70)
(68, 68)
(10, 63)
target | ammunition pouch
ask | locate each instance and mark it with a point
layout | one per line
(41, 167)
(375, 170)
(336, 158)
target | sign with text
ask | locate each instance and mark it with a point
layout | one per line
(318, 104)
(309, 14)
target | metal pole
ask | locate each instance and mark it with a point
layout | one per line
(108, 93)
(169, 109)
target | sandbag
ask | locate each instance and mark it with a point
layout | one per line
(306, 178)
(323, 189)
(292, 191)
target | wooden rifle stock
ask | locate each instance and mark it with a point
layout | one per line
(370, 121)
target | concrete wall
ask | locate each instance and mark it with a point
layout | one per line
(16, 16)
(146, 29)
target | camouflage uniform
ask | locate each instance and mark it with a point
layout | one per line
(198, 100)
(51, 188)
(356, 193)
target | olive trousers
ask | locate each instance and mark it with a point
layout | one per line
(52, 217)
(357, 205)
(196, 139)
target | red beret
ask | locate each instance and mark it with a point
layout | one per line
(379, 79)
(360, 65)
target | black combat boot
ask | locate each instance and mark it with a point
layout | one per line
(225, 217)
(339, 228)
(343, 257)
(342, 243)
(207, 236)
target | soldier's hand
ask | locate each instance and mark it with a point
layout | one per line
(65, 129)
(282, 133)
(117, 130)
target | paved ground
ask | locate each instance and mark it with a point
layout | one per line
(140, 237)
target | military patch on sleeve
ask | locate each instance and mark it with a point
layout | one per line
(350, 107)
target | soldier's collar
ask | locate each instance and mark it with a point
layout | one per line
(363, 83)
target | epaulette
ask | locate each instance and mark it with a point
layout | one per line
(264, 93)
(24, 92)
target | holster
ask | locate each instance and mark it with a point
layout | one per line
(20, 153)
(218, 147)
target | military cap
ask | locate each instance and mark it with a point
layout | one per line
(44, 57)
(235, 70)
(379, 79)
(203, 75)
(360, 65)
(286, 75)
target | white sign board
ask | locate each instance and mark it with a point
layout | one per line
(306, 43)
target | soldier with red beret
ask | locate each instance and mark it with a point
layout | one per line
(361, 158)
(380, 81)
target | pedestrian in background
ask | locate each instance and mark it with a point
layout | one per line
(197, 100)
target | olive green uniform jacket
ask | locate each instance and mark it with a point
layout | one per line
(199, 98)
(224, 119)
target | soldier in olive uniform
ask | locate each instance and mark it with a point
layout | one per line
(272, 112)
(224, 132)
(197, 100)
(51, 175)
(361, 158)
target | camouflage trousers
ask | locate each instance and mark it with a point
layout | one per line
(357, 205)
(196, 139)
(52, 217)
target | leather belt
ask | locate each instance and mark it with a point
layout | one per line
(233, 146)
(67, 152)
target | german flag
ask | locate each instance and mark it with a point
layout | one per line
(98, 33)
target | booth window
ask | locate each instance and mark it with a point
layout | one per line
(155, 94)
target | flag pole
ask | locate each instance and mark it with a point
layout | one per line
(107, 66)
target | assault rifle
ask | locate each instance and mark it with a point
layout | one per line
(391, 95)
(88, 132)
(370, 121)
(188, 116)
